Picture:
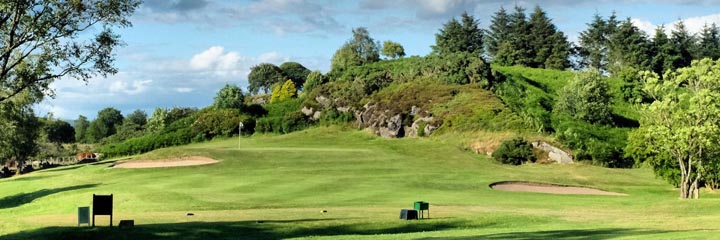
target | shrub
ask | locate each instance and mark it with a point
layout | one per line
(515, 151)
(212, 123)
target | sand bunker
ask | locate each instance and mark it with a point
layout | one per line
(172, 162)
(548, 188)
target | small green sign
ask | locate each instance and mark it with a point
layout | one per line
(83, 215)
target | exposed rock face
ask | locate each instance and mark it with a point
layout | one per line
(413, 130)
(554, 153)
(310, 112)
(387, 125)
(260, 99)
(322, 100)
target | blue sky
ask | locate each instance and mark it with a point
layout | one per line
(180, 52)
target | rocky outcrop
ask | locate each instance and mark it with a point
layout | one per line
(389, 125)
(311, 113)
(556, 154)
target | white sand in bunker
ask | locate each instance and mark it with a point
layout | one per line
(170, 162)
(549, 188)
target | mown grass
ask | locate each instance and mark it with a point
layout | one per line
(276, 186)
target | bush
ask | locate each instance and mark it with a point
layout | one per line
(212, 123)
(283, 117)
(515, 151)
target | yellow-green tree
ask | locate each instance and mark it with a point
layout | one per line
(283, 92)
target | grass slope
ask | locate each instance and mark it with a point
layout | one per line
(363, 181)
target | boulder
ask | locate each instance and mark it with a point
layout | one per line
(322, 100)
(308, 111)
(412, 131)
(556, 154)
(393, 127)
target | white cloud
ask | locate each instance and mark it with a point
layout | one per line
(272, 57)
(184, 89)
(131, 89)
(693, 24)
(646, 26)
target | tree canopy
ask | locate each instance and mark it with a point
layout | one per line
(459, 36)
(295, 72)
(263, 76)
(44, 40)
(360, 49)
(230, 96)
(392, 50)
(680, 130)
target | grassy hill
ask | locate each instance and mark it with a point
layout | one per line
(276, 186)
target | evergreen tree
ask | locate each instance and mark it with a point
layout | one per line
(629, 47)
(709, 42)
(459, 36)
(518, 50)
(498, 32)
(663, 52)
(547, 42)
(684, 43)
(593, 47)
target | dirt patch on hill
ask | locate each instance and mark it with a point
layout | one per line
(170, 162)
(549, 188)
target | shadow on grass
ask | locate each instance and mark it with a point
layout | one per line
(61, 168)
(602, 233)
(24, 198)
(240, 230)
(30, 178)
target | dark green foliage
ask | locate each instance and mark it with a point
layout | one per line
(359, 50)
(295, 72)
(263, 77)
(392, 50)
(334, 117)
(594, 43)
(459, 36)
(601, 144)
(498, 32)
(709, 42)
(138, 117)
(461, 68)
(283, 117)
(684, 43)
(550, 47)
(515, 151)
(230, 96)
(629, 47)
(20, 129)
(663, 165)
(59, 131)
(517, 50)
(104, 125)
(664, 53)
(211, 123)
(81, 126)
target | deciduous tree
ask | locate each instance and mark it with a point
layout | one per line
(44, 40)
(295, 72)
(392, 50)
(681, 128)
(263, 76)
(230, 96)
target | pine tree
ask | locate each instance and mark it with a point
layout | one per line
(684, 43)
(498, 32)
(593, 44)
(629, 47)
(709, 43)
(546, 41)
(663, 52)
(459, 36)
(518, 50)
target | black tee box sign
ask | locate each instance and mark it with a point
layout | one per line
(102, 205)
